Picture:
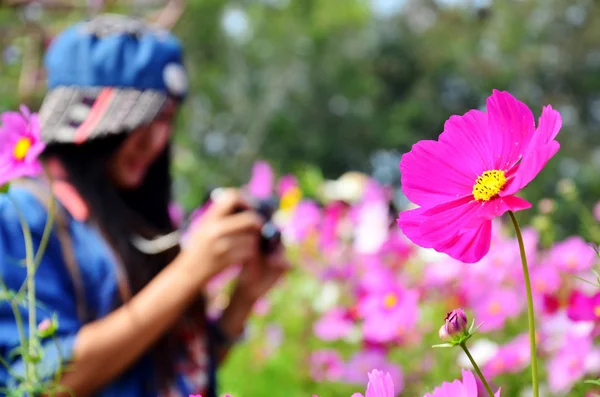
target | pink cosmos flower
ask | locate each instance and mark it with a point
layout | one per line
(583, 307)
(305, 219)
(380, 385)
(496, 307)
(571, 363)
(20, 145)
(327, 365)
(261, 181)
(471, 175)
(510, 358)
(572, 255)
(286, 182)
(466, 388)
(334, 325)
(389, 312)
(365, 360)
(333, 214)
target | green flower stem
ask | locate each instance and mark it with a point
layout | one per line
(30, 263)
(530, 313)
(485, 383)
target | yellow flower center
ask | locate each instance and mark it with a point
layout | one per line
(489, 184)
(597, 311)
(390, 301)
(290, 199)
(495, 308)
(21, 148)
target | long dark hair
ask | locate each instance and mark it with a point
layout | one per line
(119, 215)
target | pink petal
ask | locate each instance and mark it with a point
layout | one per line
(261, 183)
(469, 137)
(432, 173)
(469, 383)
(470, 246)
(458, 228)
(447, 220)
(14, 122)
(512, 125)
(410, 223)
(500, 205)
(541, 148)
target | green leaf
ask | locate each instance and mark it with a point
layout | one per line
(4, 188)
(443, 345)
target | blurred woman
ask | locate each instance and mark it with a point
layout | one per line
(130, 305)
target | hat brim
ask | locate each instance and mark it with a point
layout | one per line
(76, 114)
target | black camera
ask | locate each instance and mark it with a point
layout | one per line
(270, 235)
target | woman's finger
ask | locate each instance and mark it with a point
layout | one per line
(247, 221)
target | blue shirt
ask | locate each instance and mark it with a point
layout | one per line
(55, 293)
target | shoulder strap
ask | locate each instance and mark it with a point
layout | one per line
(63, 233)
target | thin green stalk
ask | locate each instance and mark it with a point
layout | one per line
(8, 368)
(485, 383)
(29, 259)
(18, 319)
(530, 312)
(47, 228)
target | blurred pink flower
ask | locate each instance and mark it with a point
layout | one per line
(572, 255)
(363, 361)
(329, 230)
(286, 183)
(389, 313)
(20, 145)
(305, 219)
(545, 280)
(466, 388)
(583, 308)
(380, 385)
(326, 365)
(334, 325)
(495, 308)
(570, 364)
(472, 173)
(261, 181)
(513, 357)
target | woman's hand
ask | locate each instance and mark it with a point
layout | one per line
(222, 238)
(257, 277)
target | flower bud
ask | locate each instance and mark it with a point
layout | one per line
(47, 327)
(455, 325)
(456, 322)
(444, 334)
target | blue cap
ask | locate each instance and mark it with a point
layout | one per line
(109, 75)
